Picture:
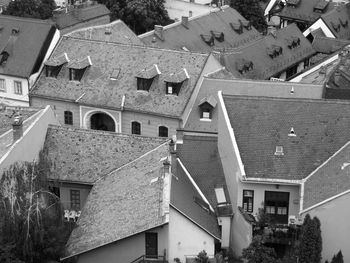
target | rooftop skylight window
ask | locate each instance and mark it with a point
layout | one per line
(208, 39)
(115, 74)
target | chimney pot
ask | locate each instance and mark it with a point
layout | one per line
(184, 21)
(158, 31)
(190, 13)
(17, 127)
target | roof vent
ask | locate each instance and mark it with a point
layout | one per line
(209, 39)
(279, 151)
(292, 132)
(292, 90)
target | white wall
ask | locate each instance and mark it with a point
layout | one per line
(319, 24)
(186, 238)
(10, 96)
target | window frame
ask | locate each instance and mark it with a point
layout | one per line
(144, 84)
(76, 74)
(17, 87)
(3, 85)
(248, 200)
(277, 207)
(52, 71)
(175, 88)
(75, 200)
(68, 117)
(136, 130)
(163, 135)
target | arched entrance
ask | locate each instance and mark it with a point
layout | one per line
(102, 121)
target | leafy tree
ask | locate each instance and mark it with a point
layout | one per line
(310, 246)
(338, 258)
(41, 9)
(258, 253)
(252, 11)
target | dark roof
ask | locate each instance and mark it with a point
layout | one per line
(278, 89)
(304, 11)
(200, 156)
(102, 91)
(185, 199)
(177, 36)
(330, 179)
(339, 79)
(256, 56)
(26, 48)
(338, 21)
(261, 124)
(82, 156)
(117, 31)
(121, 204)
(78, 14)
(328, 45)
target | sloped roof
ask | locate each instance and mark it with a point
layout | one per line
(177, 36)
(79, 14)
(102, 91)
(117, 32)
(328, 45)
(26, 48)
(330, 179)
(260, 124)
(339, 78)
(304, 11)
(321, 75)
(200, 156)
(185, 199)
(257, 53)
(278, 89)
(82, 156)
(338, 21)
(121, 204)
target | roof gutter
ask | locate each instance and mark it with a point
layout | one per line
(270, 181)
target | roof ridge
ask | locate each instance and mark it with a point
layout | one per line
(26, 19)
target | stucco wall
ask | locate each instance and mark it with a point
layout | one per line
(11, 98)
(65, 194)
(335, 226)
(186, 238)
(242, 234)
(87, 112)
(125, 250)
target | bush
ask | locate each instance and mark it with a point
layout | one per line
(202, 257)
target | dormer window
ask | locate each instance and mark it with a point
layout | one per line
(238, 28)
(207, 106)
(208, 39)
(54, 65)
(174, 82)
(343, 24)
(292, 132)
(144, 84)
(173, 88)
(335, 26)
(246, 24)
(3, 57)
(145, 77)
(219, 36)
(78, 68)
(244, 66)
(274, 51)
(293, 42)
(52, 71)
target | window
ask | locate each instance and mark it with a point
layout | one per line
(52, 71)
(248, 198)
(68, 117)
(75, 199)
(76, 74)
(135, 128)
(2, 85)
(144, 84)
(163, 131)
(18, 87)
(291, 71)
(220, 195)
(276, 205)
(173, 88)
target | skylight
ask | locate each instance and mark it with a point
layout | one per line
(220, 195)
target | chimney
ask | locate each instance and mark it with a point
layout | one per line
(184, 21)
(158, 31)
(166, 165)
(17, 127)
(190, 13)
(173, 156)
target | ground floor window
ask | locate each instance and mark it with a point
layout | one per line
(276, 206)
(248, 199)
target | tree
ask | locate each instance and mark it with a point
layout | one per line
(139, 15)
(338, 258)
(258, 253)
(310, 246)
(252, 11)
(41, 9)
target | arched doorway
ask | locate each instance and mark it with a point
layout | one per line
(102, 121)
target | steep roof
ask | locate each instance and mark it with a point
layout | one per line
(320, 128)
(82, 156)
(117, 31)
(328, 45)
(27, 47)
(255, 61)
(338, 21)
(121, 204)
(319, 76)
(278, 89)
(304, 10)
(123, 63)
(330, 179)
(188, 37)
(79, 14)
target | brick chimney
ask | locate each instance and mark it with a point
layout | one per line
(184, 21)
(17, 127)
(158, 31)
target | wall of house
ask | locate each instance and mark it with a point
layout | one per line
(93, 22)
(319, 24)
(242, 234)
(27, 148)
(65, 197)
(335, 226)
(125, 250)
(187, 239)
(87, 112)
(10, 98)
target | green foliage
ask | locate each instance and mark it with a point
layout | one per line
(139, 15)
(338, 258)
(41, 9)
(202, 257)
(310, 246)
(258, 253)
(252, 11)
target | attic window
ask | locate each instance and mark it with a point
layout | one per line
(174, 82)
(201, 203)
(3, 57)
(238, 28)
(219, 36)
(274, 51)
(292, 132)
(246, 24)
(76, 74)
(244, 66)
(293, 3)
(293, 42)
(207, 106)
(335, 26)
(52, 71)
(144, 84)
(209, 39)
(279, 151)
(78, 68)
(321, 6)
(343, 24)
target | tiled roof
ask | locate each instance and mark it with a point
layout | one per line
(121, 204)
(200, 156)
(254, 62)
(330, 179)
(304, 11)
(185, 199)
(261, 124)
(102, 91)
(117, 31)
(82, 156)
(180, 37)
(25, 48)
(338, 21)
(278, 89)
(319, 76)
(79, 14)
(328, 45)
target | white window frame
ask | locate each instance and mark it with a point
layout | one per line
(17, 87)
(3, 85)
